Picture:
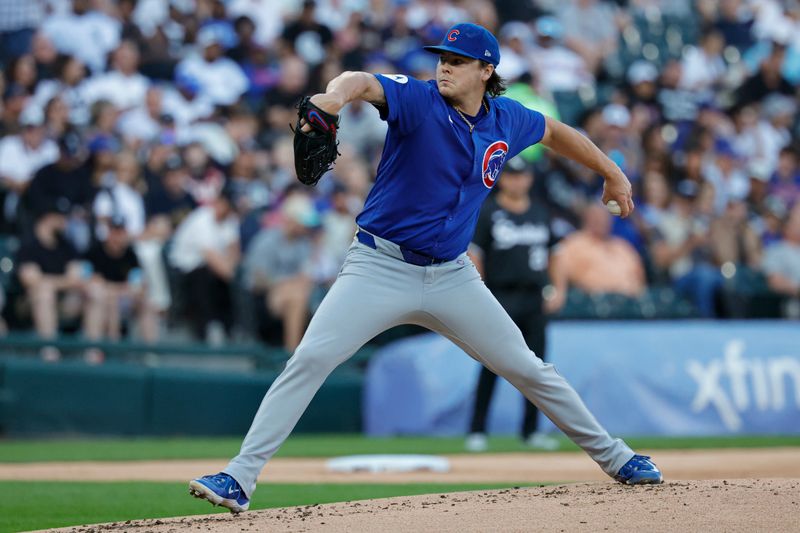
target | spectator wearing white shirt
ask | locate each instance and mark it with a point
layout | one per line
(703, 66)
(338, 226)
(183, 102)
(205, 249)
(219, 78)
(362, 128)
(560, 71)
(781, 261)
(279, 264)
(773, 130)
(21, 156)
(725, 173)
(516, 41)
(336, 13)
(120, 197)
(86, 34)
(144, 122)
(123, 86)
(269, 24)
(590, 30)
(69, 85)
(745, 135)
(558, 68)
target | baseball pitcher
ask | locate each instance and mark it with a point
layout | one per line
(446, 145)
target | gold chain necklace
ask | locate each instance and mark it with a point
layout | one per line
(470, 124)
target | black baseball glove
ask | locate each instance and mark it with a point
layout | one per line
(314, 151)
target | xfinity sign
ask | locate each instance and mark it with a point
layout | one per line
(684, 378)
(731, 384)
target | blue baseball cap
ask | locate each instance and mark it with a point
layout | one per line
(469, 40)
(548, 26)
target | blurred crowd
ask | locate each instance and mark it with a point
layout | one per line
(146, 166)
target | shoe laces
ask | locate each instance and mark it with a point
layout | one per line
(221, 479)
(638, 462)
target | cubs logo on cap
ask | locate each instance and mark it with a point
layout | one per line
(469, 40)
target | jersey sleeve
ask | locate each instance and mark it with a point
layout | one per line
(527, 127)
(408, 101)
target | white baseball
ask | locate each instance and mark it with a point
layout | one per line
(614, 208)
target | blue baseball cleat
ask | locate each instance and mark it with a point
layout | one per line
(640, 470)
(220, 489)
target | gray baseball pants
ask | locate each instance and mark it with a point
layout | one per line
(377, 290)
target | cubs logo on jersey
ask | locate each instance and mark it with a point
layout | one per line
(493, 159)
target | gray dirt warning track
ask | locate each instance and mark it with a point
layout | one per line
(710, 506)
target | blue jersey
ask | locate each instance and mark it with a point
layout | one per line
(434, 174)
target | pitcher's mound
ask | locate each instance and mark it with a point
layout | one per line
(716, 505)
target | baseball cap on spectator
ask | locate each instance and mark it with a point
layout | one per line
(300, 208)
(776, 105)
(187, 83)
(469, 40)
(70, 143)
(759, 169)
(516, 164)
(516, 30)
(208, 36)
(550, 27)
(642, 71)
(616, 115)
(724, 148)
(686, 189)
(103, 143)
(781, 34)
(116, 221)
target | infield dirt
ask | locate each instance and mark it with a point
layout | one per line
(708, 490)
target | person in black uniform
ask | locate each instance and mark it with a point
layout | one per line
(511, 249)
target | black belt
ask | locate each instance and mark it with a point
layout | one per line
(409, 256)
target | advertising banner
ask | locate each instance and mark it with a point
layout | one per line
(638, 378)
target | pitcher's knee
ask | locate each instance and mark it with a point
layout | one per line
(530, 369)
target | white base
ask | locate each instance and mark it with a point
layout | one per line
(388, 463)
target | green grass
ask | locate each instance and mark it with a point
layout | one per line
(39, 505)
(36, 505)
(320, 446)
